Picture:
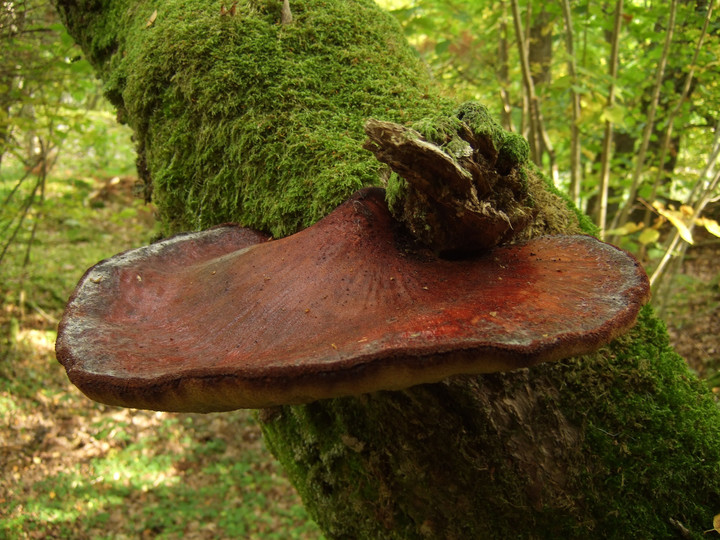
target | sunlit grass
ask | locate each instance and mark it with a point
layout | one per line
(163, 477)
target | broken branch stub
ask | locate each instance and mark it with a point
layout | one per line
(465, 191)
(221, 319)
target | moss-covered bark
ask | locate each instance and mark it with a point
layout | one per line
(241, 118)
(618, 444)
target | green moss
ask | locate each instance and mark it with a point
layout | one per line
(639, 446)
(584, 223)
(438, 129)
(654, 431)
(395, 190)
(444, 130)
(239, 118)
(514, 151)
(478, 118)
(328, 451)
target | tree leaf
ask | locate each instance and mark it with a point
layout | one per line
(712, 226)
(627, 228)
(676, 218)
(648, 236)
(716, 523)
(614, 114)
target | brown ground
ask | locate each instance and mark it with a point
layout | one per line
(59, 432)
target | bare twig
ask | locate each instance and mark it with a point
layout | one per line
(43, 182)
(621, 217)
(503, 70)
(286, 15)
(607, 140)
(575, 171)
(23, 214)
(676, 110)
(537, 128)
(698, 209)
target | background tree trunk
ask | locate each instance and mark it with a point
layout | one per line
(241, 118)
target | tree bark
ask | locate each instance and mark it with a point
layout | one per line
(239, 117)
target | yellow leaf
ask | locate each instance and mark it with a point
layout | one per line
(686, 210)
(614, 114)
(627, 228)
(712, 226)
(676, 218)
(648, 236)
(716, 523)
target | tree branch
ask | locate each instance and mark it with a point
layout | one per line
(607, 139)
(459, 197)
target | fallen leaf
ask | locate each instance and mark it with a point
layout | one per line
(151, 20)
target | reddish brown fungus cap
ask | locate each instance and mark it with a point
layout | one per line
(221, 319)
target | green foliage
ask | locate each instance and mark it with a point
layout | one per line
(47, 88)
(472, 48)
(51, 118)
(59, 259)
(279, 156)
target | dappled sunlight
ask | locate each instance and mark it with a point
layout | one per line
(76, 468)
(238, 115)
(42, 342)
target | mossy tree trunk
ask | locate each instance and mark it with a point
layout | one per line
(241, 117)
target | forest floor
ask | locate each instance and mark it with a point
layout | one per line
(76, 469)
(692, 313)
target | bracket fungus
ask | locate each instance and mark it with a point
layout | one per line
(223, 319)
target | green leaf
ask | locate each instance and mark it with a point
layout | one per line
(614, 114)
(442, 46)
(648, 236)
